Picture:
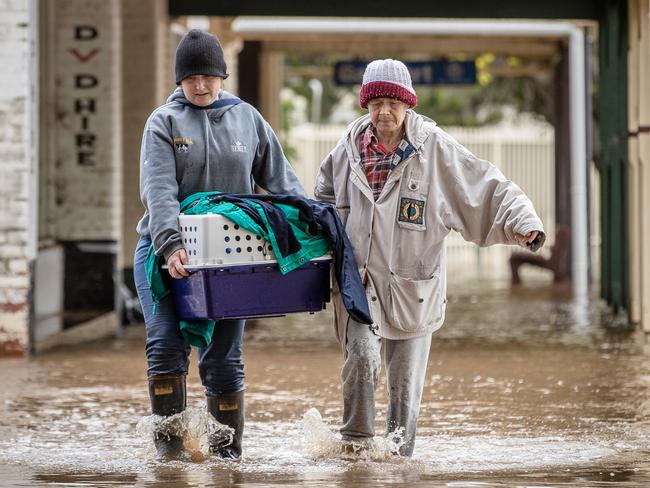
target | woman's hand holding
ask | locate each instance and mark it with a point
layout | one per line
(175, 264)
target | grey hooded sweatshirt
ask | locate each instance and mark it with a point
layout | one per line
(186, 150)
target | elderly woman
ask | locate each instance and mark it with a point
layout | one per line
(202, 139)
(401, 184)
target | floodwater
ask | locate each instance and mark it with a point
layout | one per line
(525, 387)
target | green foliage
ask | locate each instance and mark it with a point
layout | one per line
(470, 106)
(478, 105)
(287, 106)
(300, 84)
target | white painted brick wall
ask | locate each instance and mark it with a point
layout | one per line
(14, 164)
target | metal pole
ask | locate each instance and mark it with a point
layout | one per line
(32, 130)
(579, 208)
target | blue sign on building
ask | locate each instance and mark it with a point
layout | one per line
(437, 72)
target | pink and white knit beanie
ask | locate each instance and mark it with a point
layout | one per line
(387, 78)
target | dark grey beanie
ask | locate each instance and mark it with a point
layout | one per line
(199, 53)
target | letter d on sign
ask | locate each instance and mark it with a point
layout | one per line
(85, 32)
(85, 81)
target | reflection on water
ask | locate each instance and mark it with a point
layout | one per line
(524, 388)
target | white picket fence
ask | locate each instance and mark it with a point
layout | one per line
(524, 154)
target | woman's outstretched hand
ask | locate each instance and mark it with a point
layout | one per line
(533, 240)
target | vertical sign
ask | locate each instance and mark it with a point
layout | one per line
(87, 106)
(85, 102)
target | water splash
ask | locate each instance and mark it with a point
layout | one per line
(196, 426)
(321, 442)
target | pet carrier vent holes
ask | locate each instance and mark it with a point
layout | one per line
(214, 239)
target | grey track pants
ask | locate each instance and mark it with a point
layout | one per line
(406, 364)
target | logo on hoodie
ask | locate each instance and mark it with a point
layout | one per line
(182, 144)
(239, 146)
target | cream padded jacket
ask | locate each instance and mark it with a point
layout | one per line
(399, 240)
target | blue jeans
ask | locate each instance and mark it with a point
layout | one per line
(221, 366)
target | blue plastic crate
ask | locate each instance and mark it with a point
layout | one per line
(252, 290)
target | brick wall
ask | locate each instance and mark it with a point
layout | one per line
(14, 183)
(80, 105)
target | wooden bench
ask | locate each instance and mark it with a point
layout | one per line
(557, 262)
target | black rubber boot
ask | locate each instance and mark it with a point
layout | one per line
(168, 397)
(228, 410)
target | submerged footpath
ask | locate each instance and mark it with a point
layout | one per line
(524, 386)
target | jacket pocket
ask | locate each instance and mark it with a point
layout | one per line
(412, 205)
(414, 303)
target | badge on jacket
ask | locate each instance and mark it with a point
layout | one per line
(411, 210)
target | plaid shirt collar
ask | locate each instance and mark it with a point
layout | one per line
(378, 161)
(370, 146)
(371, 142)
(369, 136)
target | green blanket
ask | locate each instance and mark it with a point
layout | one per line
(199, 332)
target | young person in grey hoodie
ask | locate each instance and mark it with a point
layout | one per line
(202, 139)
